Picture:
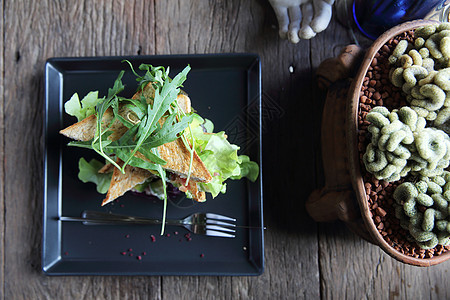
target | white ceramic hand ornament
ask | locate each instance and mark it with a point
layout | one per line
(302, 18)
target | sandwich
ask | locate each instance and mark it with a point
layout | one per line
(152, 141)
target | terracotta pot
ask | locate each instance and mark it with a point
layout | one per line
(344, 186)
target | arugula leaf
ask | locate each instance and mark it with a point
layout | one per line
(154, 75)
(122, 148)
(101, 108)
(136, 161)
(161, 104)
(115, 105)
(139, 107)
(118, 86)
(169, 131)
(151, 156)
(88, 144)
(162, 174)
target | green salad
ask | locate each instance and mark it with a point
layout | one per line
(145, 123)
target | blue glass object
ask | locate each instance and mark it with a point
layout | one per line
(373, 17)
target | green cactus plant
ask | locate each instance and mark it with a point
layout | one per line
(413, 142)
(423, 207)
(421, 70)
(400, 144)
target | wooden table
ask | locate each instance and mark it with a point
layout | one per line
(303, 259)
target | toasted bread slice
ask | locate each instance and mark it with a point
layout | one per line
(85, 129)
(121, 183)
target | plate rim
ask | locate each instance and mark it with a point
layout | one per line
(55, 64)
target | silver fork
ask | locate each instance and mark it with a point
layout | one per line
(199, 223)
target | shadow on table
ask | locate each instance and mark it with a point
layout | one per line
(292, 166)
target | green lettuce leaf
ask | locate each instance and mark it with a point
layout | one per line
(88, 172)
(220, 157)
(84, 108)
(249, 169)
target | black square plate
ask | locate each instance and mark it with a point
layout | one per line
(224, 88)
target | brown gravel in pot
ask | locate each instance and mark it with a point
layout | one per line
(378, 90)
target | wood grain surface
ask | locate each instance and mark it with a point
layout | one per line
(304, 260)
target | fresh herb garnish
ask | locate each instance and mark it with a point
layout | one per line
(164, 97)
(101, 109)
(150, 122)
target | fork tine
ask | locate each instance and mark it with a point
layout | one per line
(220, 228)
(215, 222)
(219, 217)
(219, 234)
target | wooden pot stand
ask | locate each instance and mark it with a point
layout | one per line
(336, 200)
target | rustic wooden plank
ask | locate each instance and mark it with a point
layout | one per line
(355, 269)
(36, 31)
(291, 242)
(2, 159)
(289, 152)
(203, 27)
